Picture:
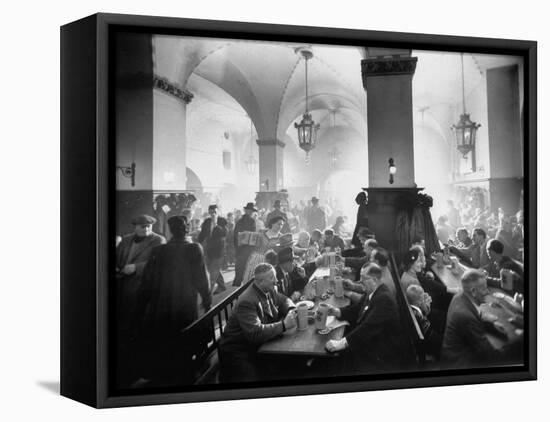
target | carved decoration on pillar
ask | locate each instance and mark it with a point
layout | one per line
(387, 66)
(164, 85)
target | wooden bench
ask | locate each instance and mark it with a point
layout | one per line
(203, 335)
(414, 334)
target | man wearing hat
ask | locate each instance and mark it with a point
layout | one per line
(291, 278)
(132, 253)
(316, 216)
(245, 224)
(277, 212)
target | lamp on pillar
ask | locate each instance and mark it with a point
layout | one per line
(465, 130)
(307, 128)
(251, 162)
(129, 172)
(392, 169)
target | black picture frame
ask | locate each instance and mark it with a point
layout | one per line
(87, 192)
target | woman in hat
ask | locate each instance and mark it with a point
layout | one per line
(266, 240)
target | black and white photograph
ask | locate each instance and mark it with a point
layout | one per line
(291, 211)
(245, 211)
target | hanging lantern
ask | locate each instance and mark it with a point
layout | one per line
(307, 128)
(465, 130)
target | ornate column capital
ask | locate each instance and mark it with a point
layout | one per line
(171, 89)
(386, 66)
(266, 142)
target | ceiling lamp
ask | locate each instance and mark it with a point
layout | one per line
(307, 128)
(251, 162)
(465, 130)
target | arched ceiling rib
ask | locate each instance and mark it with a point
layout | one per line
(267, 79)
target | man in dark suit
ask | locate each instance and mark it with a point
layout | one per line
(167, 303)
(376, 340)
(499, 261)
(209, 239)
(259, 315)
(316, 216)
(132, 253)
(245, 224)
(465, 343)
(208, 225)
(291, 278)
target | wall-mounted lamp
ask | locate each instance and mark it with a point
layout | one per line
(266, 184)
(129, 172)
(392, 169)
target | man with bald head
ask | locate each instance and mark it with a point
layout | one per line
(465, 343)
(259, 315)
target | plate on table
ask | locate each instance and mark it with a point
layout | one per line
(309, 303)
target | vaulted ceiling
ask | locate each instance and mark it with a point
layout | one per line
(267, 79)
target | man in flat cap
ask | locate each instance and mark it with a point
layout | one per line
(132, 254)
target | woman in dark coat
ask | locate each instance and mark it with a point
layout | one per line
(167, 302)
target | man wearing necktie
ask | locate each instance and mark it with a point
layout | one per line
(291, 279)
(376, 339)
(260, 314)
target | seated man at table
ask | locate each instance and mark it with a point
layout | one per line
(357, 262)
(291, 278)
(499, 261)
(380, 257)
(363, 233)
(476, 253)
(465, 343)
(333, 241)
(259, 315)
(376, 340)
(420, 303)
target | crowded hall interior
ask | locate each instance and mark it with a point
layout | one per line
(290, 211)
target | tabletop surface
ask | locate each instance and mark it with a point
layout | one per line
(307, 342)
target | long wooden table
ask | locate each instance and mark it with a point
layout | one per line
(307, 342)
(493, 306)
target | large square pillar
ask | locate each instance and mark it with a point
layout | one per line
(387, 79)
(271, 164)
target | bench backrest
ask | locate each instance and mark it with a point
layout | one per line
(412, 329)
(202, 336)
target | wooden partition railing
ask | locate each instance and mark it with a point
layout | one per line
(202, 336)
(412, 329)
